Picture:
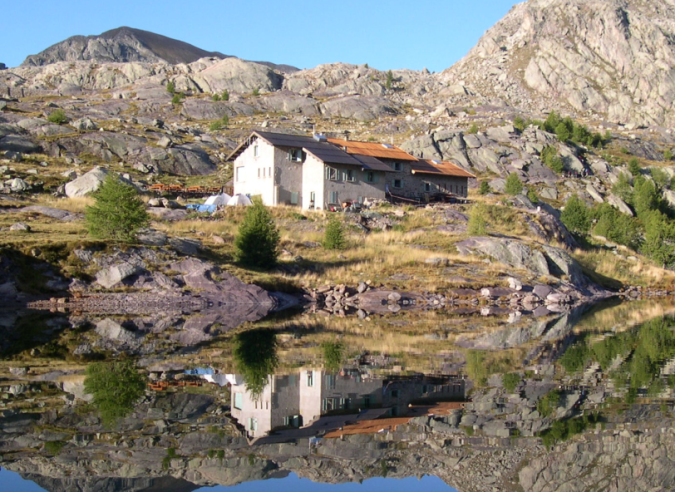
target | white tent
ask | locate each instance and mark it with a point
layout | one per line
(239, 200)
(221, 199)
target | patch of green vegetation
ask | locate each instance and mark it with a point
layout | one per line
(510, 381)
(562, 430)
(566, 129)
(513, 184)
(334, 237)
(484, 188)
(333, 355)
(548, 403)
(54, 447)
(478, 224)
(118, 213)
(255, 355)
(257, 242)
(115, 387)
(57, 117)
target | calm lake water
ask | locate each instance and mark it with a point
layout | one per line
(412, 401)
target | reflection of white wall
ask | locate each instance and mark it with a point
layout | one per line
(254, 414)
(310, 396)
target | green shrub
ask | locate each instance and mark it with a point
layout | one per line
(634, 167)
(255, 355)
(478, 225)
(177, 98)
(473, 129)
(548, 403)
(574, 359)
(513, 184)
(333, 355)
(225, 96)
(510, 381)
(667, 155)
(170, 87)
(576, 215)
(57, 117)
(519, 123)
(550, 158)
(219, 124)
(660, 177)
(532, 195)
(484, 188)
(257, 242)
(215, 97)
(256, 92)
(54, 447)
(118, 213)
(115, 387)
(390, 80)
(334, 236)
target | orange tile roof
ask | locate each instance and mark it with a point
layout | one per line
(439, 168)
(374, 149)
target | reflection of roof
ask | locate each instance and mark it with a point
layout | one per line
(374, 149)
(370, 427)
(441, 168)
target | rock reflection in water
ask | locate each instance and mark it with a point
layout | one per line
(594, 396)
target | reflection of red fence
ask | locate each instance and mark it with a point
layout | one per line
(164, 385)
(162, 189)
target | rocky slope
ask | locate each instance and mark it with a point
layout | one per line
(612, 58)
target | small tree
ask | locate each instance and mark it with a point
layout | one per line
(576, 216)
(484, 188)
(256, 92)
(333, 354)
(58, 117)
(390, 80)
(513, 185)
(478, 224)
(177, 98)
(473, 129)
(255, 354)
(667, 155)
(215, 97)
(334, 237)
(257, 243)
(634, 166)
(115, 387)
(118, 212)
(170, 87)
(225, 96)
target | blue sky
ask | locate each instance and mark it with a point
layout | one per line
(12, 481)
(385, 34)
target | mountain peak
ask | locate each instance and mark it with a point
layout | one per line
(123, 44)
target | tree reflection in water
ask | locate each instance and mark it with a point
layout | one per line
(255, 354)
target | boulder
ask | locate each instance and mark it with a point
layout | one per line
(507, 251)
(621, 206)
(20, 226)
(17, 185)
(114, 274)
(84, 124)
(87, 183)
(112, 330)
(16, 143)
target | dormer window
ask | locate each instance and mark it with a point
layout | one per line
(295, 155)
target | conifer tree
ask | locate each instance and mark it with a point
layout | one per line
(513, 184)
(257, 244)
(118, 212)
(334, 237)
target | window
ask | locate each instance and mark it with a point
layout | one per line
(310, 378)
(258, 172)
(240, 174)
(256, 150)
(312, 199)
(238, 401)
(348, 175)
(294, 197)
(398, 166)
(427, 186)
(371, 177)
(269, 172)
(398, 183)
(334, 197)
(295, 155)
(252, 424)
(394, 393)
(332, 174)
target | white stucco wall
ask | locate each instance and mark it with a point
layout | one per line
(312, 181)
(253, 175)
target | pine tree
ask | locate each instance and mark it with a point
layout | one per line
(334, 237)
(484, 188)
(118, 212)
(257, 243)
(513, 184)
(478, 224)
(576, 216)
(390, 80)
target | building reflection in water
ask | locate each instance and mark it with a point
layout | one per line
(314, 403)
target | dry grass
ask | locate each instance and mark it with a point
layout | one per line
(629, 272)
